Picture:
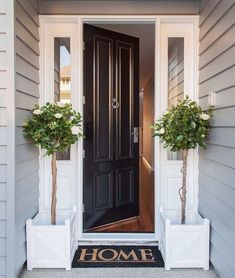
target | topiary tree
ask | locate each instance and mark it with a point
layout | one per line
(54, 127)
(181, 128)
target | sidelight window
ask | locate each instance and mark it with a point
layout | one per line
(62, 78)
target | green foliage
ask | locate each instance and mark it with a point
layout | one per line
(184, 126)
(54, 127)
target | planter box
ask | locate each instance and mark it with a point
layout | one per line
(184, 246)
(51, 246)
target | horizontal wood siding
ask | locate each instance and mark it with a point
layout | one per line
(217, 163)
(26, 95)
(3, 131)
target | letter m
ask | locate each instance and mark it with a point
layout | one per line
(125, 256)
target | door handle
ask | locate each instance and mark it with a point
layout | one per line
(135, 134)
(115, 103)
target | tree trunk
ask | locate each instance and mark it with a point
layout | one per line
(183, 189)
(54, 189)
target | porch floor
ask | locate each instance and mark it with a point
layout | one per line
(118, 273)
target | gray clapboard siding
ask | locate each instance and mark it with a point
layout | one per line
(3, 79)
(219, 64)
(25, 168)
(218, 47)
(25, 69)
(219, 82)
(219, 154)
(26, 95)
(225, 233)
(20, 138)
(221, 190)
(25, 36)
(221, 268)
(223, 136)
(220, 9)
(35, 3)
(2, 246)
(224, 117)
(3, 155)
(3, 173)
(218, 171)
(32, 11)
(21, 116)
(23, 16)
(3, 43)
(3, 228)
(30, 211)
(24, 101)
(25, 152)
(3, 117)
(3, 137)
(26, 86)
(26, 184)
(207, 9)
(226, 99)
(3, 98)
(3, 266)
(26, 53)
(3, 210)
(3, 192)
(218, 30)
(217, 163)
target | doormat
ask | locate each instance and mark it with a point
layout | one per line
(117, 256)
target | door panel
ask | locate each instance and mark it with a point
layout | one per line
(125, 80)
(103, 120)
(110, 171)
(124, 186)
(103, 183)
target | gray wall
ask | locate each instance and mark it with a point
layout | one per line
(6, 134)
(26, 95)
(217, 163)
(118, 7)
(3, 142)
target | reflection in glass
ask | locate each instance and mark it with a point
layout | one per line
(62, 78)
(175, 79)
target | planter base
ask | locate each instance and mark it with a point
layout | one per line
(184, 246)
(51, 246)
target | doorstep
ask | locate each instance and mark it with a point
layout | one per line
(118, 273)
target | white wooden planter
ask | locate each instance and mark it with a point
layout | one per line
(184, 246)
(51, 246)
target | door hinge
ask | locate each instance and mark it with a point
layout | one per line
(83, 208)
(83, 154)
(84, 99)
(84, 45)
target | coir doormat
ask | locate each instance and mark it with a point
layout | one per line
(117, 256)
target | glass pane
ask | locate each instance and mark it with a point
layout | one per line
(62, 78)
(175, 79)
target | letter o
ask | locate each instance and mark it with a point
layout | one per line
(100, 255)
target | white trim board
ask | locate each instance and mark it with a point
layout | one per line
(55, 25)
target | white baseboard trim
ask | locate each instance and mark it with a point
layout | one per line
(147, 165)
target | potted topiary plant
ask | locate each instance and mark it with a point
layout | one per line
(184, 236)
(53, 127)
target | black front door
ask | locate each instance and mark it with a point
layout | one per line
(111, 120)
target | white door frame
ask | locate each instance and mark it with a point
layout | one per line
(46, 90)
